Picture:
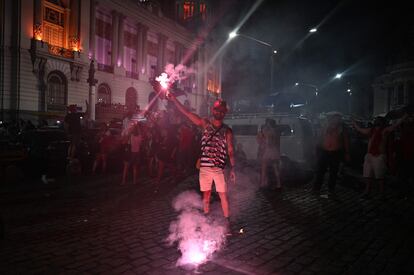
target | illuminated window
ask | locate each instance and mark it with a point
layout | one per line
(188, 9)
(54, 31)
(56, 91)
(103, 38)
(203, 11)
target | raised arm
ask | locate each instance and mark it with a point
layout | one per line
(364, 131)
(396, 124)
(191, 116)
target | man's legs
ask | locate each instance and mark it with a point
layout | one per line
(104, 161)
(263, 173)
(206, 201)
(135, 173)
(125, 173)
(224, 204)
(96, 163)
(321, 167)
(276, 170)
(333, 164)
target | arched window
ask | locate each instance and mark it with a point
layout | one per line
(104, 94)
(56, 91)
(131, 98)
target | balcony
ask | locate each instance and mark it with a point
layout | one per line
(59, 51)
(105, 68)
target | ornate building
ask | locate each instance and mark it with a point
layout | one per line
(60, 52)
(394, 89)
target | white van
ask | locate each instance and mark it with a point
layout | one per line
(296, 141)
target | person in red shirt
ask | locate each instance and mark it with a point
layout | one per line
(374, 162)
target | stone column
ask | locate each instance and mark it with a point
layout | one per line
(406, 92)
(92, 90)
(66, 27)
(114, 50)
(144, 49)
(92, 29)
(120, 60)
(38, 12)
(162, 39)
(178, 52)
(138, 48)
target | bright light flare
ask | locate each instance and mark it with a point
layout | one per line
(232, 35)
(163, 80)
(313, 30)
(338, 76)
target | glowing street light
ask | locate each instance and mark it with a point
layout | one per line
(232, 35)
(349, 90)
(313, 30)
(338, 76)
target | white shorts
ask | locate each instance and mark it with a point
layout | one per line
(374, 166)
(210, 174)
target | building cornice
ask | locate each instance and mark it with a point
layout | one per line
(164, 25)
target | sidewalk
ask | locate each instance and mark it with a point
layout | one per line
(95, 226)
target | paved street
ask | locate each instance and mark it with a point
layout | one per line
(93, 225)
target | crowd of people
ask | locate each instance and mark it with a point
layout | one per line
(166, 141)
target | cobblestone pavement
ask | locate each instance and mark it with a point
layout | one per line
(96, 226)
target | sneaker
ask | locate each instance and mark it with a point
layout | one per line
(44, 179)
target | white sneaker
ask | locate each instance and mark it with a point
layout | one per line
(44, 179)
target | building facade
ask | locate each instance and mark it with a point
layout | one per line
(394, 89)
(55, 53)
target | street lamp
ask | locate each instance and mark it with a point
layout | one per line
(233, 34)
(313, 30)
(338, 76)
(309, 85)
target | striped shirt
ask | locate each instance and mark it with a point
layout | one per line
(214, 153)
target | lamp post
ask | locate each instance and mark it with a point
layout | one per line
(233, 34)
(309, 85)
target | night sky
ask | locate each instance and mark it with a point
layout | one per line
(358, 38)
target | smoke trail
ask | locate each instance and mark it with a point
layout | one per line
(199, 236)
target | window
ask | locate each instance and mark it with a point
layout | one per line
(54, 32)
(131, 98)
(188, 9)
(130, 53)
(203, 11)
(103, 38)
(56, 91)
(104, 94)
